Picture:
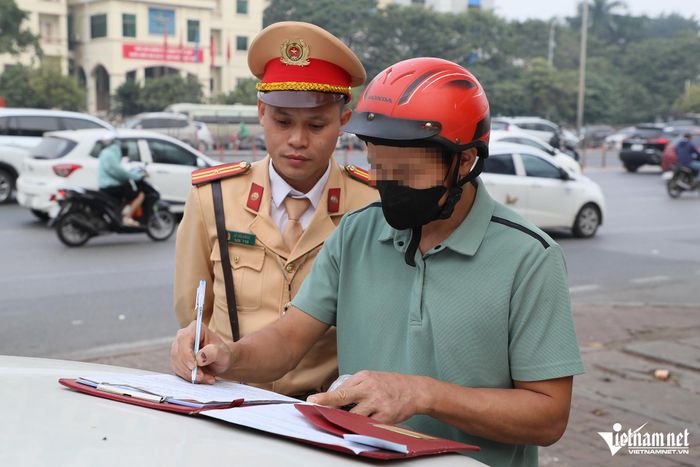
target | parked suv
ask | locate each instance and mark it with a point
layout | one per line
(22, 129)
(643, 147)
(172, 124)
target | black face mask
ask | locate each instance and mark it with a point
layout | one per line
(406, 207)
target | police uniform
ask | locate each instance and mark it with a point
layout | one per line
(264, 273)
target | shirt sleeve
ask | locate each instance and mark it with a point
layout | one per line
(542, 343)
(113, 166)
(192, 252)
(318, 295)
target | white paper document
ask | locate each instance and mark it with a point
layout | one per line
(171, 386)
(283, 420)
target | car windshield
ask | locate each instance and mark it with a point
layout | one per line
(647, 133)
(52, 148)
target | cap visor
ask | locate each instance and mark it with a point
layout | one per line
(299, 99)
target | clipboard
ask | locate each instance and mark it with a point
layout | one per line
(144, 399)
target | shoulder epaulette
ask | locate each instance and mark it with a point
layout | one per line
(358, 173)
(219, 172)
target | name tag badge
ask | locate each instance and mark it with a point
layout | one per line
(240, 238)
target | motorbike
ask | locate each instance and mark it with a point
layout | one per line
(680, 179)
(87, 213)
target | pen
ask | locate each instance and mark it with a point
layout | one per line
(199, 305)
(131, 392)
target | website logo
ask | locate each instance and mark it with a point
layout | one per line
(641, 442)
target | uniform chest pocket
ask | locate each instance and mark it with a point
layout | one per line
(247, 263)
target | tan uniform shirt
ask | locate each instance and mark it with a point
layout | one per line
(265, 275)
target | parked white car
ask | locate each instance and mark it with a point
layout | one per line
(70, 158)
(22, 129)
(528, 181)
(614, 141)
(49, 425)
(520, 137)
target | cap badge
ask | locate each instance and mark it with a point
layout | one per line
(295, 52)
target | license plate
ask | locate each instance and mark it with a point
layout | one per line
(54, 210)
(637, 147)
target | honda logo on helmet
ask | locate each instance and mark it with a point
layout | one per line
(380, 98)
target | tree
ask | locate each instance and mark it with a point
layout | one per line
(14, 39)
(54, 90)
(127, 99)
(43, 88)
(346, 19)
(245, 93)
(689, 101)
(15, 89)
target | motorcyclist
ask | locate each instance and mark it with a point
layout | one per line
(685, 153)
(114, 180)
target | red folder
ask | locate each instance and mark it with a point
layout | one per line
(73, 384)
(341, 423)
(390, 439)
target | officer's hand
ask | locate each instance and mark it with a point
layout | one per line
(386, 397)
(213, 358)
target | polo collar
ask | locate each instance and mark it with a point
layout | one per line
(467, 237)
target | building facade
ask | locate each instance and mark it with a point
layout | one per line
(47, 19)
(104, 43)
(444, 6)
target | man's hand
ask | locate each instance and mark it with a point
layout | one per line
(386, 397)
(214, 358)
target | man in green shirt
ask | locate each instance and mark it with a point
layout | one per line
(452, 312)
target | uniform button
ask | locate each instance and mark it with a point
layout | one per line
(236, 259)
(400, 243)
(290, 267)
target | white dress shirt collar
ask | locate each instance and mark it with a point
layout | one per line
(280, 189)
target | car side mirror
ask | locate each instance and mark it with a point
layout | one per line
(564, 175)
(201, 163)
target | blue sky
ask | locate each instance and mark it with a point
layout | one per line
(545, 9)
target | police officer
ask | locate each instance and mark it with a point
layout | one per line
(452, 311)
(276, 213)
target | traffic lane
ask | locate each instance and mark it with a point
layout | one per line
(647, 249)
(55, 299)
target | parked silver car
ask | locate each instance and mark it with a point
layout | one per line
(172, 124)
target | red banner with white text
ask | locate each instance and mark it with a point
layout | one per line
(159, 52)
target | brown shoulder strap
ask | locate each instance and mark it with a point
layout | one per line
(222, 236)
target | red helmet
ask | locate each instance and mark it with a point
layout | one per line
(424, 100)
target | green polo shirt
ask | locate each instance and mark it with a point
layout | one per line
(487, 306)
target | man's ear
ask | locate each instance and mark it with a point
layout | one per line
(345, 116)
(467, 161)
(261, 112)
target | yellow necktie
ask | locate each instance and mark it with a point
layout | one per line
(292, 230)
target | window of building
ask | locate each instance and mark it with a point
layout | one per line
(98, 26)
(192, 30)
(71, 32)
(128, 25)
(161, 21)
(242, 7)
(474, 3)
(241, 43)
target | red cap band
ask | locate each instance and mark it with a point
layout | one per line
(318, 75)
